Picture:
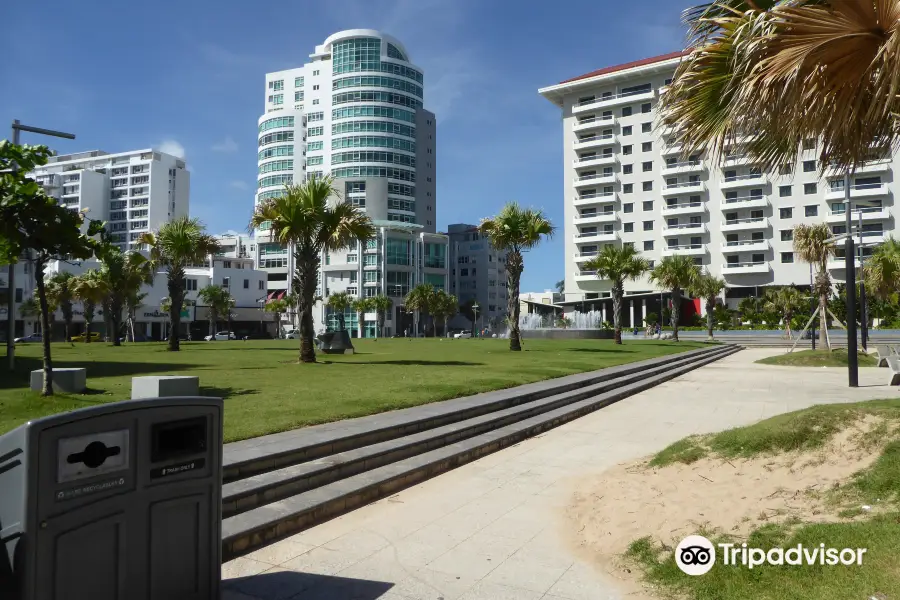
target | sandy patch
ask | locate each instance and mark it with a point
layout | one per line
(631, 501)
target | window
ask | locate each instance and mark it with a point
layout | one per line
(626, 150)
(298, 81)
(628, 207)
(648, 245)
(246, 284)
(645, 107)
(262, 284)
(786, 169)
(646, 127)
(812, 210)
(628, 227)
(787, 257)
(627, 188)
(226, 282)
(190, 285)
(626, 112)
(809, 188)
(784, 191)
(787, 235)
(646, 146)
(648, 225)
(809, 166)
(648, 205)
(626, 130)
(627, 169)
(647, 166)
(647, 186)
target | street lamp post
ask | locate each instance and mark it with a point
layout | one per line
(812, 297)
(863, 320)
(475, 308)
(850, 269)
(17, 128)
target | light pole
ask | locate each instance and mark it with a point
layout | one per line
(812, 297)
(863, 321)
(850, 268)
(11, 304)
(475, 308)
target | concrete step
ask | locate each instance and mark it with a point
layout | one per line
(248, 493)
(268, 453)
(265, 523)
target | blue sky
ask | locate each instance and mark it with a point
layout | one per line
(189, 77)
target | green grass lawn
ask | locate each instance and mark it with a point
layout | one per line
(817, 358)
(809, 429)
(266, 390)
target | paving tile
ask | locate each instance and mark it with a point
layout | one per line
(410, 553)
(274, 584)
(279, 552)
(321, 561)
(428, 584)
(492, 591)
(232, 594)
(361, 543)
(243, 567)
(528, 574)
(462, 561)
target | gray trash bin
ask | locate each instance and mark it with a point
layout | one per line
(118, 501)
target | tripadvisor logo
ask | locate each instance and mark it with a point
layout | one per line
(696, 555)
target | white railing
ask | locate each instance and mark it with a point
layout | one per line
(594, 176)
(749, 198)
(594, 157)
(747, 220)
(672, 186)
(738, 265)
(593, 138)
(595, 234)
(586, 254)
(685, 226)
(743, 243)
(683, 205)
(594, 120)
(614, 96)
(687, 163)
(685, 247)
(743, 177)
(863, 210)
(858, 186)
(586, 273)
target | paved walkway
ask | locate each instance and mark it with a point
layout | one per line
(490, 529)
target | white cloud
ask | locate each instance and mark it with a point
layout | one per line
(228, 145)
(239, 185)
(170, 146)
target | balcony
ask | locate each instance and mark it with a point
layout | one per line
(684, 187)
(581, 257)
(687, 166)
(746, 246)
(672, 149)
(49, 181)
(868, 213)
(861, 190)
(593, 161)
(684, 229)
(595, 199)
(739, 181)
(875, 166)
(599, 179)
(869, 238)
(594, 123)
(686, 249)
(595, 141)
(600, 236)
(748, 224)
(836, 263)
(745, 268)
(613, 100)
(685, 208)
(736, 159)
(748, 201)
(600, 217)
(585, 275)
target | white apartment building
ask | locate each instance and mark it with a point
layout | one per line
(135, 192)
(625, 184)
(477, 273)
(355, 111)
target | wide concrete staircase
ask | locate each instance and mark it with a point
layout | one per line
(280, 484)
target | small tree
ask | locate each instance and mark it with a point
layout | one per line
(361, 306)
(564, 322)
(90, 289)
(421, 299)
(813, 245)
(277, 308)
(785, 301)
(618, 265)
(59, 293)
(708, 287)
(123, 274)
(675, 273)
(30, 310)
(338, 303)
(381, 304)
(444, 307)
(219, 301)
(132, 303)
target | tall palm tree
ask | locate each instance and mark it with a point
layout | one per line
(30, 310)
(676, 274)
(90, 289)
(786, 301)
(58, 288)
(178, 243)
(421, 300)
(305, 218)
(381, 304)
(277, 308)
(813, 245)
(708, 287)
(882, 270)
(133, 302)
(618, 265)
(444, 307)
(361, 306)
(789, 71)
(219, 301)
(123, 275)
(515, 230)
(339, 302)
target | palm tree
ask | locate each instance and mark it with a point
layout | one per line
(219, 301)
(444, 307)
(421, 300)
(789, 71)
(338, 303)
(133, 302)
(90, 289)
(785, 301)
(751, 309)
(59, 293)
(618, 265)
(178, 243)
(361, 306)
(515, 230)
(278, 308)
(30, 310)
(708, 287)
(813, 245)
(675, 273)
(882, 270)
(304, 218)
(381, 304)
(123, 275)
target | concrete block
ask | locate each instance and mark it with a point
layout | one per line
(164, 386)
(69, 380)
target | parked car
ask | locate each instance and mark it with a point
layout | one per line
(222, 336)
(462, 335)
(292, 334)
(34, 337)
(95, 337)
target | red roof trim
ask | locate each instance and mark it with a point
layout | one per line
(630, 65)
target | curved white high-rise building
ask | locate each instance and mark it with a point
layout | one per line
(355, 111)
